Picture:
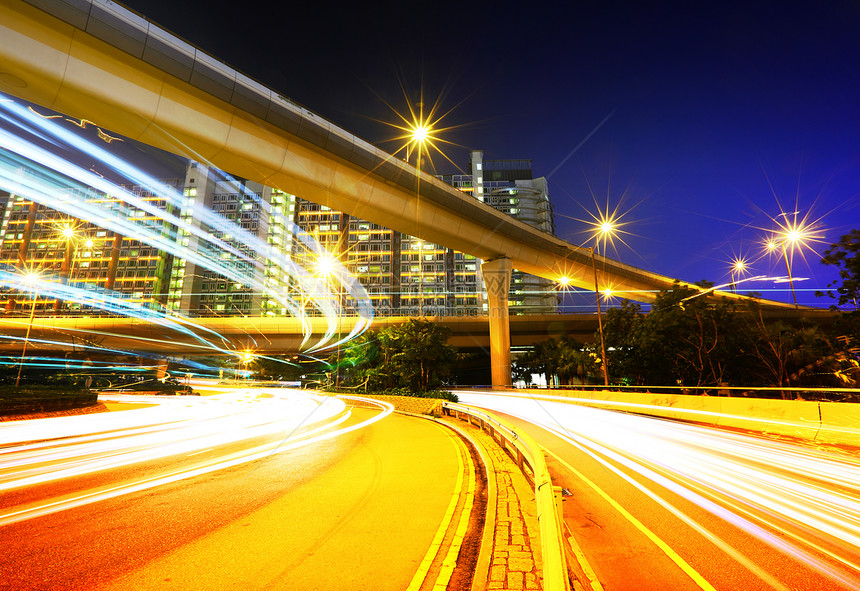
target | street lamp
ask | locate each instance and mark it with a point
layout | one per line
(739, 267)
(30, 277)
(247, 357)
(68, 233)
(791, 235)
(773, 245)
(605, 230)
(600, 321)
(564, 281)
(327, 267)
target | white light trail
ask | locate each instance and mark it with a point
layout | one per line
(802, 501)
(37, 174)
(38, 452)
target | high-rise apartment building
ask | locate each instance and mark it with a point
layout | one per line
(261, 220)
(219, 210)
(406, 276)
(37, 238)
(249, 231)
(509, 186)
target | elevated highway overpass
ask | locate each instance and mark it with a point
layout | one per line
(276, 336)
(96, 60)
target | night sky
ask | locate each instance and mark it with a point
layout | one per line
(704, 121)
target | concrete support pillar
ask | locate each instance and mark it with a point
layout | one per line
(497, 279)
(161, 371)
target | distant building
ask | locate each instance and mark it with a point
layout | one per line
(406, 276)
(509, 186)
(403, 275)
(264, 214)
(35, 237)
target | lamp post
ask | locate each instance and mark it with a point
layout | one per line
(31, 279)
(738, 267)
(327, 268)
(773, 245)
(247, 357)
(791, 235)
(600, 321)
(69, 234)
(564, 281)
(605, 230)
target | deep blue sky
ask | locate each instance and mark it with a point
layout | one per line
(718, 112)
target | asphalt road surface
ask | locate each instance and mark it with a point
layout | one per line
(249, 490)
(658, 504)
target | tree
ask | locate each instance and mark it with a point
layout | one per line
(414, 355)
(540, 360)
(621, 331)
(421, 357)
(565, 359)
(845, 254)
(278, 367)
(575, 361)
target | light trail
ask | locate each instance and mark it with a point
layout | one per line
(34, 453)
(38, 174)
(804, 502)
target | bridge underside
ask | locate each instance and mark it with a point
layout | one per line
(277, 336)
(140, 81)
(103, 63)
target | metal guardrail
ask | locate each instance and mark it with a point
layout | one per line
(527, 452)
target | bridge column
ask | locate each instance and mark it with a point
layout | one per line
(497, 279)
(161, 369)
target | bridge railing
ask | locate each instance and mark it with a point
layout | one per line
(530, 459)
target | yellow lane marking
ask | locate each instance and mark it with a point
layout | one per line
(667, 550)
(433, 550)
(450, 561)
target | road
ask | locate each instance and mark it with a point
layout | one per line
(658, 504)
(246, 490)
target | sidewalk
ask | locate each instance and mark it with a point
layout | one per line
(513, 548)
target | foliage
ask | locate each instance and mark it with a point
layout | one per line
(441, 394)
(845, 254)
(569, 361)
(688, 340)
(278, 368)
(414, 356)
(9, 391)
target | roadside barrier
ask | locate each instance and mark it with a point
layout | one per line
(825, 422)
(530, 459)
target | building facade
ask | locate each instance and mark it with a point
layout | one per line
(249, 231)
(509, 186)
(35, 238)
(257, 216)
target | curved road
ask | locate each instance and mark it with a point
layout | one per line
(657, 504)
(249, 490)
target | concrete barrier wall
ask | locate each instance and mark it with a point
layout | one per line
(419, 406)
(795, 418)
(828, 422)
(840, 423)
